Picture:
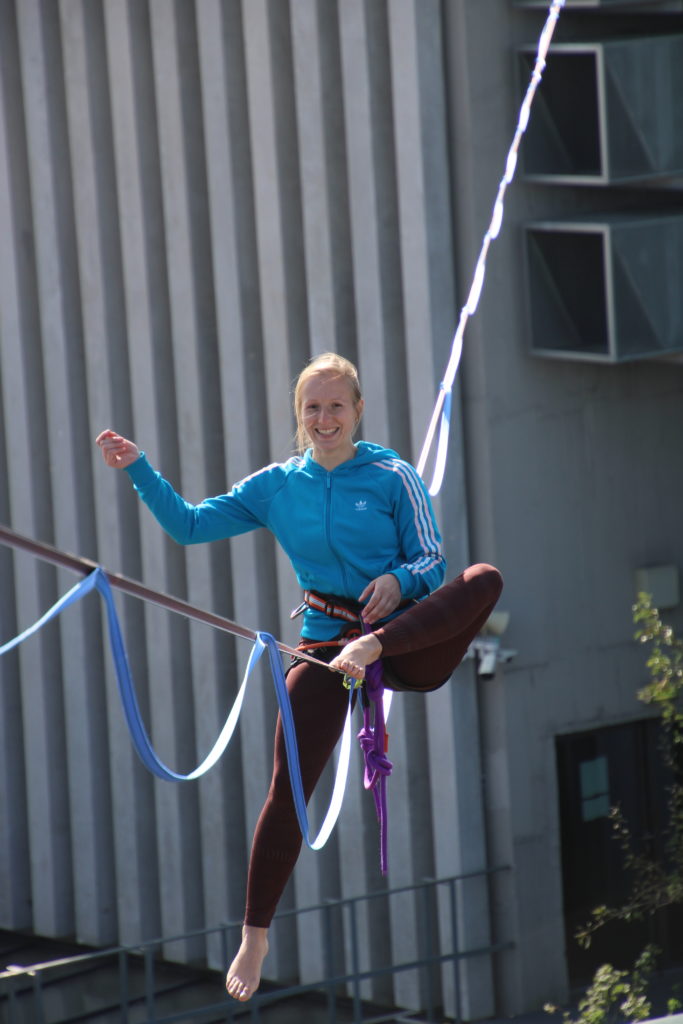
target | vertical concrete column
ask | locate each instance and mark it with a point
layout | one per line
(369, 131)
(323, 162)
(185, 209)
(15, 896)
(225, 837)
(48, 788)
(88, 734)
(136, 842)
(15, 868)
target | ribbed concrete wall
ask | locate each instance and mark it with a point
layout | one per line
(195, 198)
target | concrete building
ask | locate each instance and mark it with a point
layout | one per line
(195, 197)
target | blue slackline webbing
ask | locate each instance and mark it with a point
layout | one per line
(73, 595)
(289, 731)
(442, 408)
(97, 579)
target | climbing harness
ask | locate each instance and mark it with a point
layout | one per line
(442, 408)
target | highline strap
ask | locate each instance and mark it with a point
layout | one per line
(442, 408)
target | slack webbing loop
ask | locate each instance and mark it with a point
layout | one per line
(97, 580)
(131, 709)
(263, 641)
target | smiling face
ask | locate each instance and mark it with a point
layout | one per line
(329, 415)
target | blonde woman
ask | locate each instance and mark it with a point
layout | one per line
(358, 527)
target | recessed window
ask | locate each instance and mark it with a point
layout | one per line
(594, 783)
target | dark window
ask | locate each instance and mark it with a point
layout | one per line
(618, 766)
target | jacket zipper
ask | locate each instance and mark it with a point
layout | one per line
(328, 530)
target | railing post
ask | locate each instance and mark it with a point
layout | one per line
(456, 950)
(38, 1005)
(328, 959)
(224, 931)
(355, 966)
(124, 988)
(426, 892)
(12, 1001)
(149, 985)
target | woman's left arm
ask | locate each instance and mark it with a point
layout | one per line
(420, 565)
(423, 565)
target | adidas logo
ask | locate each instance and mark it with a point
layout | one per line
(361, 506)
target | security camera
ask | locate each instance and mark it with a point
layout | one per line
(488, 657)
(486, 647)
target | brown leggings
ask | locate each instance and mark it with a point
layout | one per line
(421, 648)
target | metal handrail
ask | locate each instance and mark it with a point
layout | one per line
(14, 989)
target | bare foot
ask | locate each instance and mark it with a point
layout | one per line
(357, 654)
(244, 976)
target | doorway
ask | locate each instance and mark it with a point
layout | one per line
(620, 765)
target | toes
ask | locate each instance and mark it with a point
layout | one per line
(237, 989)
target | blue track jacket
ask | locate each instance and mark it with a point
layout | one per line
(341, 529)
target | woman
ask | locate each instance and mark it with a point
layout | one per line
(358, 527)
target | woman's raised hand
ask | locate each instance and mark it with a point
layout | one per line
(117, 452)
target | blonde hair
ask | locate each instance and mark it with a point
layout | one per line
(334, 365)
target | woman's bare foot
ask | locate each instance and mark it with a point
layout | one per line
(357, 654)
(244, 976)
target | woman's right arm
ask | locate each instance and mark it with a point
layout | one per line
(214, 519)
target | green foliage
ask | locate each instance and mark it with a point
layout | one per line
(654, 884)
(665, 665)
(673, 1005)
(614, 994)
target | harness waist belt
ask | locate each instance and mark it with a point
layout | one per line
(334, 607)
(331, 606)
